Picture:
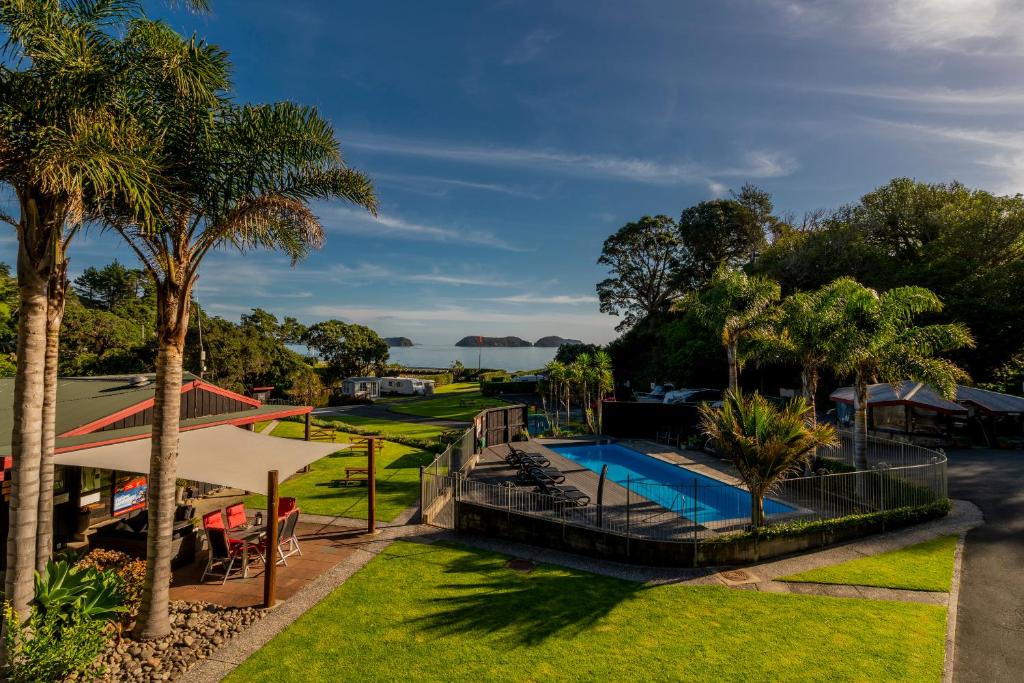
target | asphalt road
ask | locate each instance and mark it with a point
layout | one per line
(990, 622)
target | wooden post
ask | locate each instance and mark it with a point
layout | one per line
(308, 422)
(270, 561)
(371, 485)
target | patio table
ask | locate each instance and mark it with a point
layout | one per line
(249, 536)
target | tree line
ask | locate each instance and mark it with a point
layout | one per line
(111, 119)
(965, 246)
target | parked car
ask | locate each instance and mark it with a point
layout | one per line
(693, 396)
(656, 394)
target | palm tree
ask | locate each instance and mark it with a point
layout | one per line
(742, 308)
(875, 340)
(69, 141)
(764, 442)
(575, 374)
(603, 382)
(809, 322)
(236, 176)
(555, 371)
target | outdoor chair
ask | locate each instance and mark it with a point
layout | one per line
(568, 494)
(214, 520)
(285, 507)
(287, 541)
(225, 552)
(533, 473)
(236, 516)
(518, 457)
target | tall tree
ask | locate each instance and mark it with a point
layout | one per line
(809, 321)
(762, 207)
(741, 308)
(716, 233)
(764, 442)
(70, 141)
(235, 176)
(876, 340)
(642, 257)
(347, 348)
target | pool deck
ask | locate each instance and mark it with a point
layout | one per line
(644, 516)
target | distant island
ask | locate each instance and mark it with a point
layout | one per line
(398, 341)
(553, 342)
(476, 341)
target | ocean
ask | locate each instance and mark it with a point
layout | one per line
(511, 359)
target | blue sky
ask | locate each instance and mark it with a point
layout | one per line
(508, 139)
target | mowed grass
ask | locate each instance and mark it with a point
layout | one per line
(456, 405)
(393, 427)
(398, 477)
(434, 612)
(923, 567)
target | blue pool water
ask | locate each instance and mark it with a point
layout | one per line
(667, 485)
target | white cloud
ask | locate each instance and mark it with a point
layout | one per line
(926, 96)
(558, 299)
(756, 163)
(457, 280)
(343, 219)
(1002, 150)
(979, 27)
(438, 187)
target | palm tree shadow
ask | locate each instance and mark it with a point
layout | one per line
(526, 609)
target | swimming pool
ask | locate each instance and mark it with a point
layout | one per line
(667, 485)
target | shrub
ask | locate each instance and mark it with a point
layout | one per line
(64, 591)
(130, 572)
(51, 645)
(895, 518)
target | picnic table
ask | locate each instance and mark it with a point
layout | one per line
(249, 535)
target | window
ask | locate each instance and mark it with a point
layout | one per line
(927, 421)
(892, 418)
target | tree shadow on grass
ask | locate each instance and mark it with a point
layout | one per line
(524, 609)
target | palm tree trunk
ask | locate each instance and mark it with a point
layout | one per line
(734, 366)
(756, 509)
(26, 434)
(860, 422)
(56, 292)
(172, 322)
(809, 382)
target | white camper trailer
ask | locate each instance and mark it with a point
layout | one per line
(406, 386)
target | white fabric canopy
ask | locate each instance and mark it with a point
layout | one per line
(224, 455)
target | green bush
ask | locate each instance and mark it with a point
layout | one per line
(512, 387)
(64, 591)
(51, 645)
(897, 517)
(493, 376)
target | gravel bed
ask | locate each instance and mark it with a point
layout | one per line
(197, 630)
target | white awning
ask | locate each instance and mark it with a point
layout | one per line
(224, 455)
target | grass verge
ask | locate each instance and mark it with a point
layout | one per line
(923, 567)
(432, 612)
(398, 477)
(461, 406)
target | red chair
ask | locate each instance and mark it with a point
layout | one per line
(213, 520)
(285, 507)
(217, 535)
(236, 516)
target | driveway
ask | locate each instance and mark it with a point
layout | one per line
(990, 622)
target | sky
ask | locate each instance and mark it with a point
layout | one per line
(508, 139)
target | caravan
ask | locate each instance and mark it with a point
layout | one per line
(407, 386)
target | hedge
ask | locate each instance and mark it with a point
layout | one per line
(498, 388)
(897, 517)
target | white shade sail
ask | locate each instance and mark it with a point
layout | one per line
(224, 455)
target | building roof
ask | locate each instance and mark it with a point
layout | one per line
(905, 392)
(363, 379)
(990, 401)
(917, 393)
(92, 410)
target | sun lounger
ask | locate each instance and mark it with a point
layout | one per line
(518, 457)
(568, 494)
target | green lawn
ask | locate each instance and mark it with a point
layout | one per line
(397, 480)
(456, 405)
(395, 427)
(433, 612)
(457, 388)
(923, 567)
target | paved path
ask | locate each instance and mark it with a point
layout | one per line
(990, 631)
